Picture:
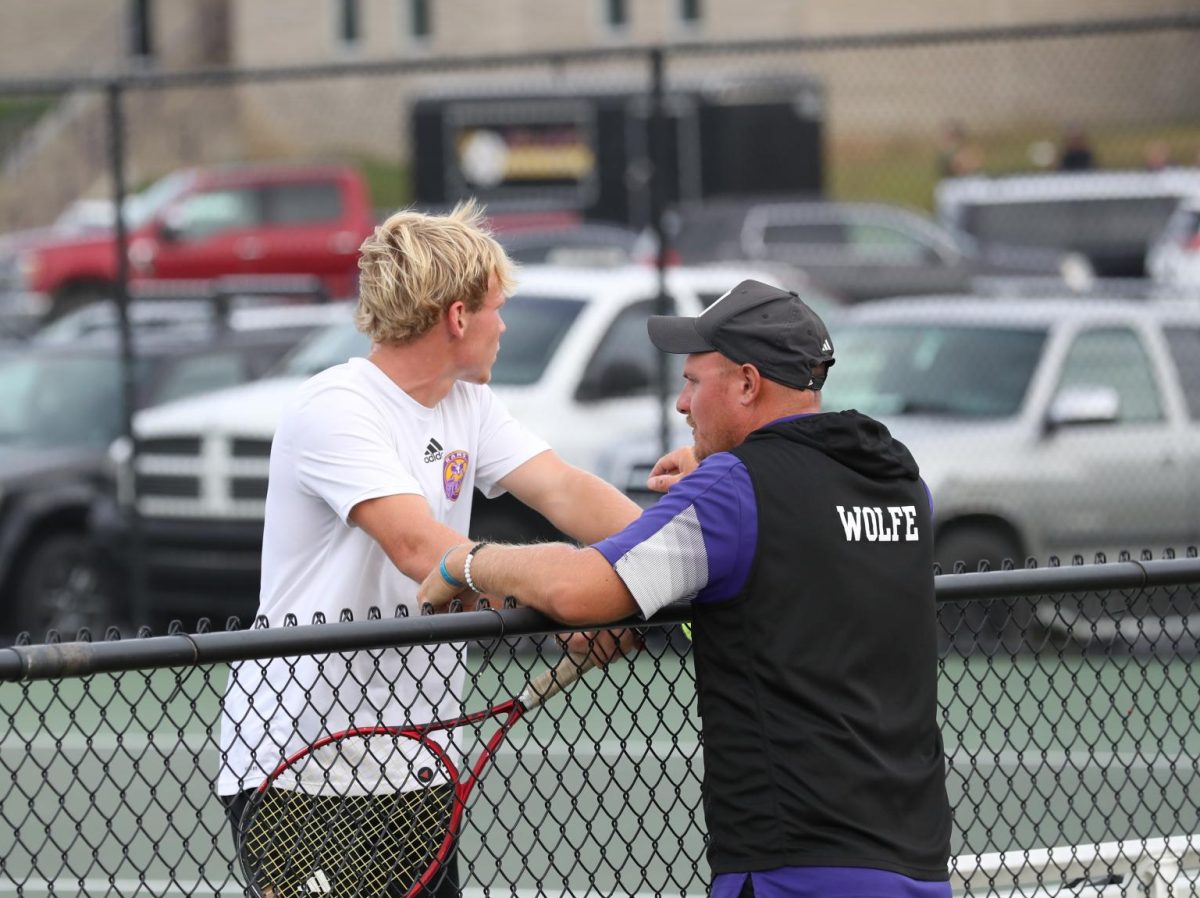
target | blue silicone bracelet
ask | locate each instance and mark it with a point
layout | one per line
(445, 572)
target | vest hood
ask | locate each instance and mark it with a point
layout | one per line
(852, 439)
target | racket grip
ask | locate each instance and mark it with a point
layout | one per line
(551, 682)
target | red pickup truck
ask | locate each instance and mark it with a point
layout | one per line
(255, 220)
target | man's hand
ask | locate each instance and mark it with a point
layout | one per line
(604, 644)
(436, 591)
(671, 468)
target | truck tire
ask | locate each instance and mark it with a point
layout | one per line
(979, 625)
(77, 295)
(59, 588)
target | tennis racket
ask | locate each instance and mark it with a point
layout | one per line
(342, 817)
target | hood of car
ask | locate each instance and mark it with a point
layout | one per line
(22, 464)
(252, 410)
(946, 448)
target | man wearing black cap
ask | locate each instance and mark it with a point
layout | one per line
(803, 541)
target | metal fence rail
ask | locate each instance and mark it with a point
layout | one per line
(1068, 716)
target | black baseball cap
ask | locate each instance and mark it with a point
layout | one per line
(755, 324)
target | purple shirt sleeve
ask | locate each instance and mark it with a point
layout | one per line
(696, 543)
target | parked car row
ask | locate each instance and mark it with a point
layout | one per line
(1042, 427)
(992, 393)
(576, 366)
(61, 406)
(201, 223)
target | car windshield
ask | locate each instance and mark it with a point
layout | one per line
(142, 207)
(929, 369)
(535, 327)
(49, 401)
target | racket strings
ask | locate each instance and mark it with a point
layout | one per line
(344, 846)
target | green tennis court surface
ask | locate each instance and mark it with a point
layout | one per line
(609, 803)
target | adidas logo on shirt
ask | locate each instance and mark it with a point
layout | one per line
(433, 452)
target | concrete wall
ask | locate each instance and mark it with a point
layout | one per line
(66, 154)
(872, 94)
(900, 92)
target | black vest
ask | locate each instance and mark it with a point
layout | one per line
(817, 683)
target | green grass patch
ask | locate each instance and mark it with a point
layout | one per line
(389, 183)
(905, 170)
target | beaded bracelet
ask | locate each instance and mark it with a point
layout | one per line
(467, 567)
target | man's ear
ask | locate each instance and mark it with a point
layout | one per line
(456, 318)
(751, 384)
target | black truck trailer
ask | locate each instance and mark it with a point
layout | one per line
(590, 154)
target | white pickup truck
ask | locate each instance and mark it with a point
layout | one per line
(576, 366)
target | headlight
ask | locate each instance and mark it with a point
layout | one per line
(118, 468)
(1077, 272)
(27, 269)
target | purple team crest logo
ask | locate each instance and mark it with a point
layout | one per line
(454, 471)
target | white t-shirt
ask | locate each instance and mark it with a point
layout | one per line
(350, 434)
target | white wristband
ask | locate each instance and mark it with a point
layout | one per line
(467, 567)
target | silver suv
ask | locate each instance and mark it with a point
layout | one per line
(1041, 426)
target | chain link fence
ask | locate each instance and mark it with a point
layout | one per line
(1043, 425)
(1072, 752)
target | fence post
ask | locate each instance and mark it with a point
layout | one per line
(660, 165)
(134, 560)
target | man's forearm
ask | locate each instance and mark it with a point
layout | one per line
(575, 586)
(590, 509)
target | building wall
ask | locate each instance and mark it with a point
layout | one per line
(65, 154)
(476, 27)
(872, 95)
(871, 92)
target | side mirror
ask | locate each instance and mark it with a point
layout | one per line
(1085, 404)
(616, 379)
(169, 232)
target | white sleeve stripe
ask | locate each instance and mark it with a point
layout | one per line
(670, 565)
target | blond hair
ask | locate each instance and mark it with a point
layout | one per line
(416, 265)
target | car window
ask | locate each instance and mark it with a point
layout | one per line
(324, 349)
(1114, 357)
(932, 369)
(60, 401)
(1184, 343)
(1183, 228)
(211, 212)
(883, 244)
(625, 362)
(293, 204)
(805, 234)
(142, 207)
(201, 374)
(535, 326)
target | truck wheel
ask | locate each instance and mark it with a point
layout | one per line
(978, 624)
(76, 296)
(59, 588)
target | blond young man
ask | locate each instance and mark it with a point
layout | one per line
(372, 472)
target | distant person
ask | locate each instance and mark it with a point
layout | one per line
(1157, 155)
(957, 155)
(1076, 153)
